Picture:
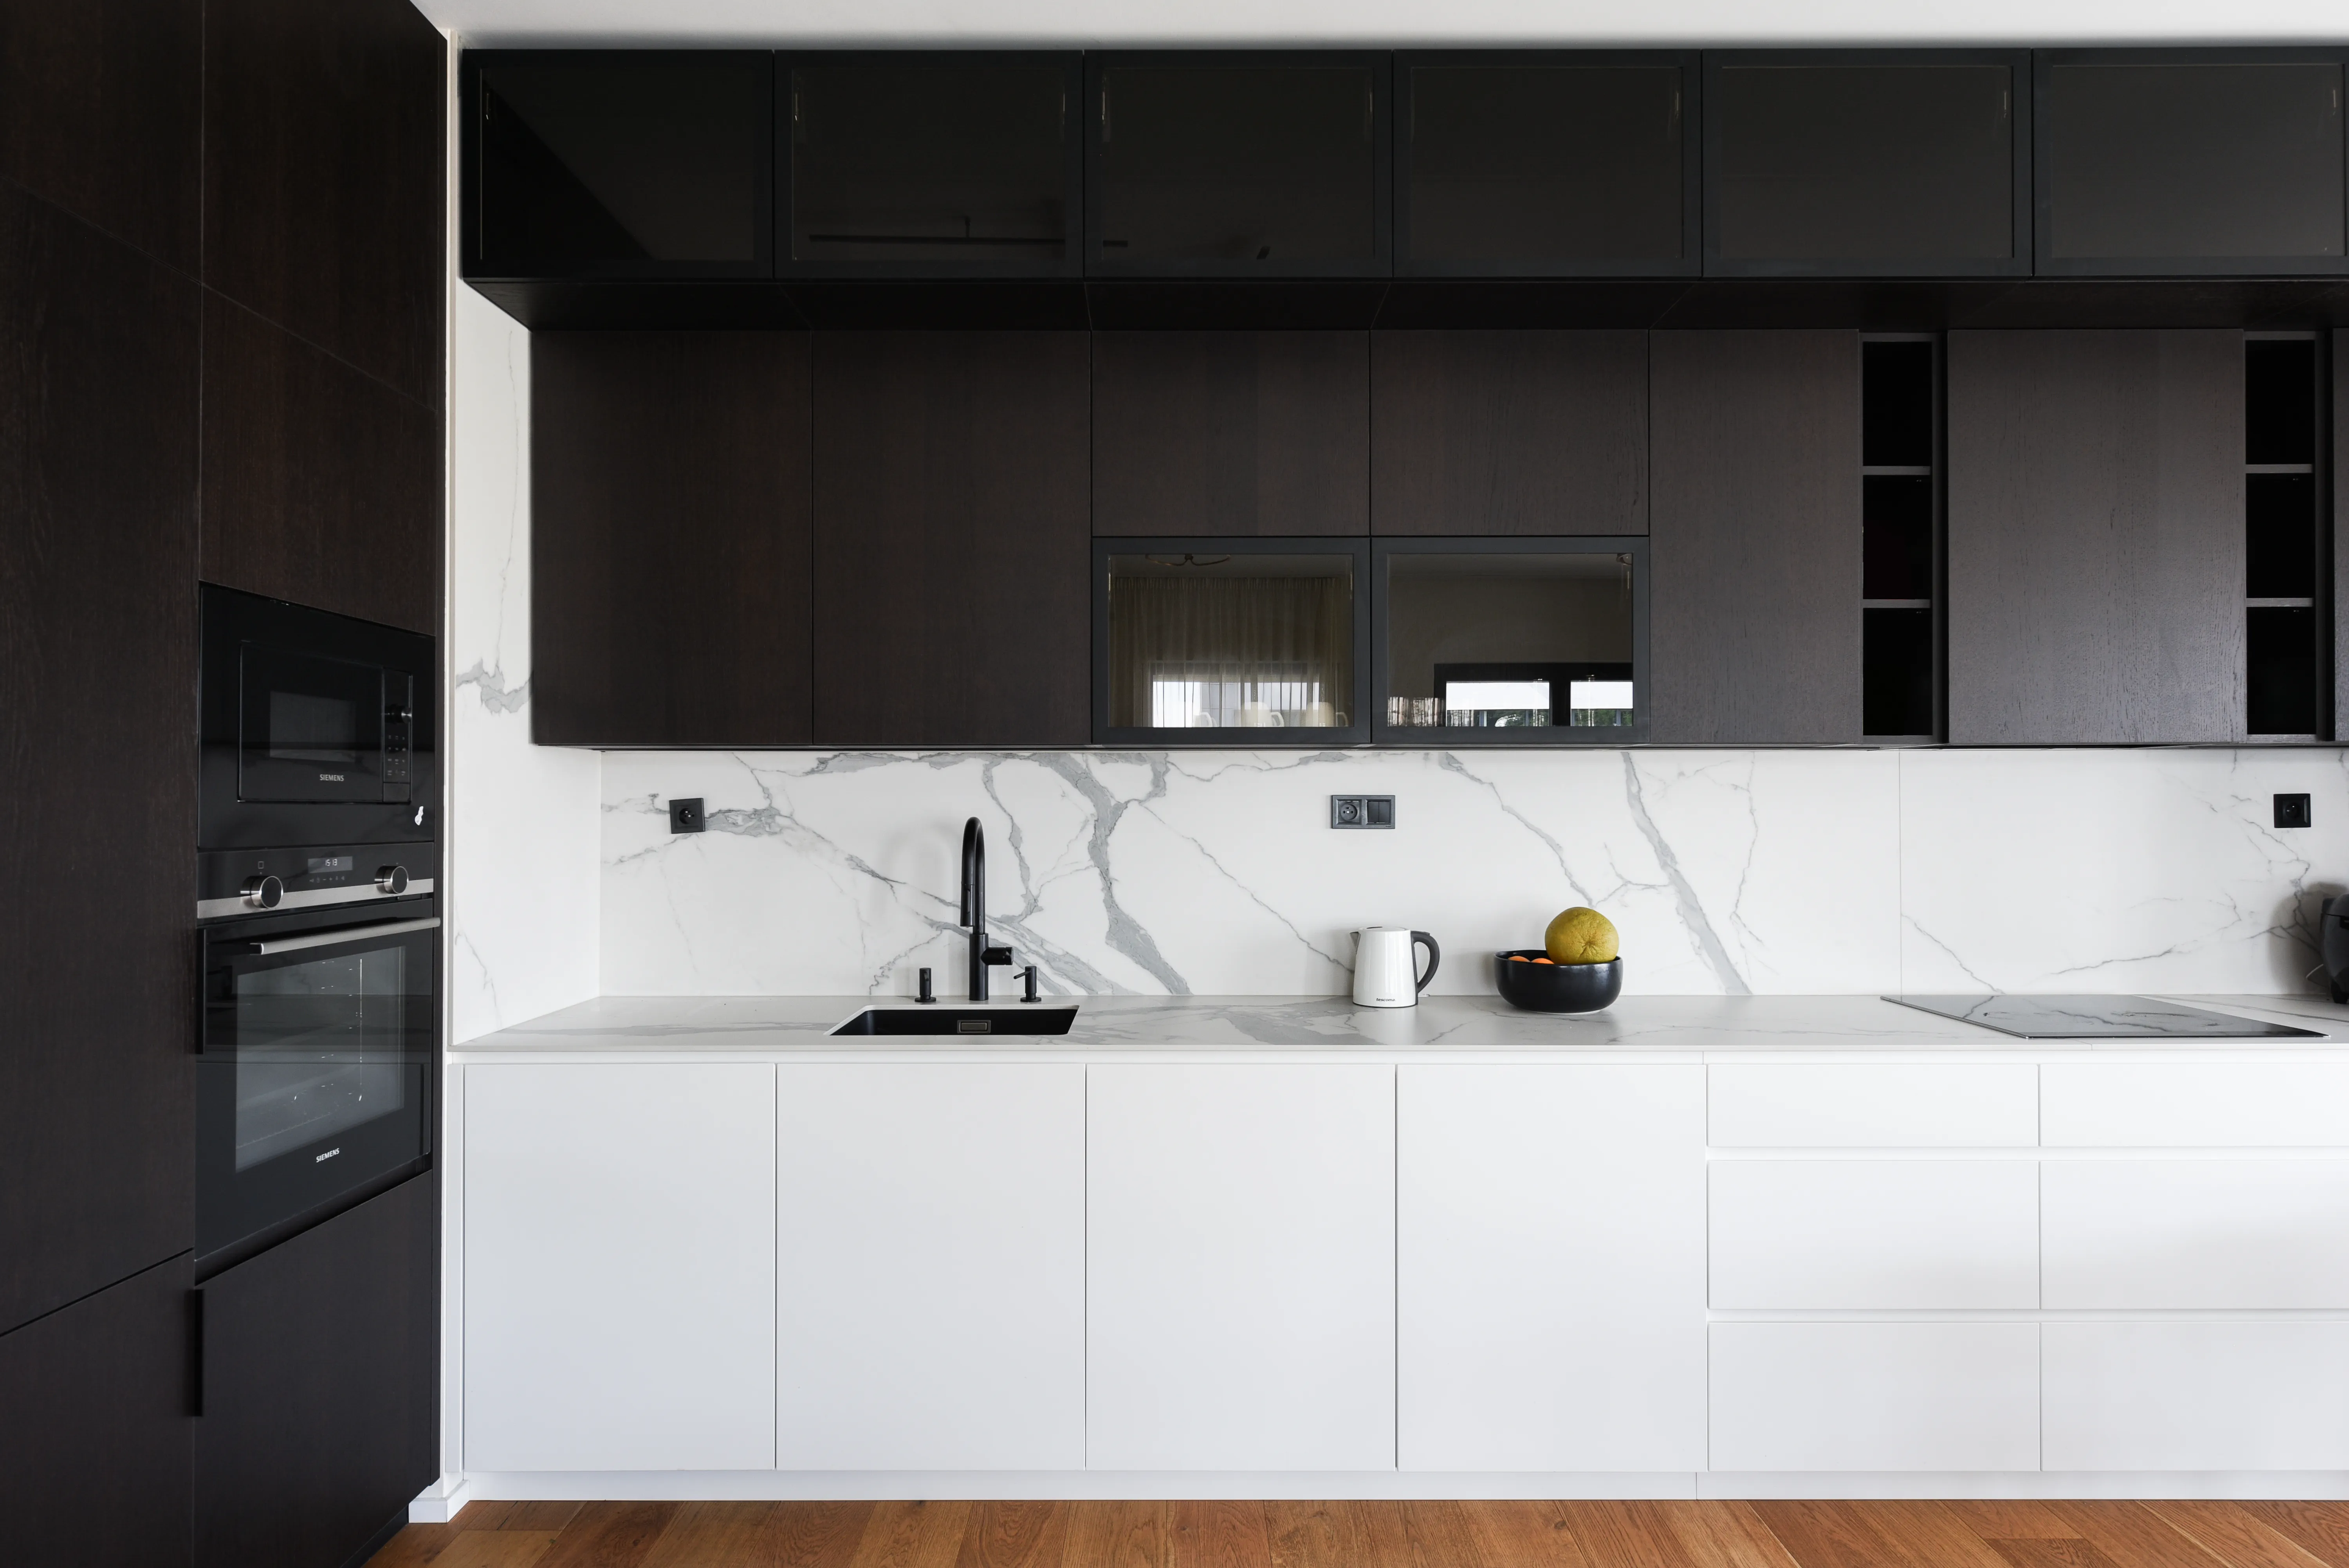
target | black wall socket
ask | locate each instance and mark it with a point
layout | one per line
(2292, 811)
(685, 815)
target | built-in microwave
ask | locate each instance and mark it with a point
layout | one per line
(316, 728)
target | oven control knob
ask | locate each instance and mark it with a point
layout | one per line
(264, 892)
(391, 878)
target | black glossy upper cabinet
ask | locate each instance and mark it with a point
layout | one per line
(929, 165)
(2226, 161)
(1874, 162)
(638, 163)
(1231, 164)
(1534, 164)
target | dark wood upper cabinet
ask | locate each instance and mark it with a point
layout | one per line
(2336, 463)
(951, 539)
(1755, 537)
(2161, 162)
(948, 164)
(669, 538)
(1228, 163)
(1537, 163)
(97, 691)
(1486, 432)
(94, 1462)
(321, 486)
(2096, 532)
(1231, 433)
(101, 111)
(602, 163)
(1867, 163)
(325, 193)
(320, 1381)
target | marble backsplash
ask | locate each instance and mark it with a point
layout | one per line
(1762, 871)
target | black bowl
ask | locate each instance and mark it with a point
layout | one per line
(1557, 987)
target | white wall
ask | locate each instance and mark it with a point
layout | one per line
(1208, 873)
(522, 819)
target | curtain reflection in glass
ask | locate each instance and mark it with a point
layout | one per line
(1215, 650)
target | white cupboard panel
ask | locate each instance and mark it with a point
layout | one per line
(1874, 1396)
(2196, 1395)
(2189, 1105)
(1552, 1268)
(620, 1267)
(1240, 1267)
(1906, 1105)
(1867, 1233)
(931, 1312)
(2197, 1232)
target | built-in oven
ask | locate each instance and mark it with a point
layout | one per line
(318, 1066)
(316, 729)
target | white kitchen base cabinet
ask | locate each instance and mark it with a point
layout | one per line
(1874, 1396)
(1551, 1258)
(932, 1310)
(1861, 1235)
(2197, 1233)
(619, 1267)
(2198, 1395)
(1241, 1267)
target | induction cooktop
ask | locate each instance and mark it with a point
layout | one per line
(2097, 1017)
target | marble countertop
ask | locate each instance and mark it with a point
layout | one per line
(1640, 1025)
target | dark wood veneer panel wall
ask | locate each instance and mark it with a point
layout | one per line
(1242, 433)
(2095, 537)
(320, 485)
(98, 766)
(324, 177)
(99, 105)
(1754, 606)
(1509, 433)
(669, 541)
(952, 538)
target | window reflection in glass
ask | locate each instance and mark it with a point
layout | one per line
(1509, 642)
(1205, 641)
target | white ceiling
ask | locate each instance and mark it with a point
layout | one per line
(1067, 22)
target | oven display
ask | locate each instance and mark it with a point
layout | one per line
(328, 866)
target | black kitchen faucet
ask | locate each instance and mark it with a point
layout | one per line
(974, 909)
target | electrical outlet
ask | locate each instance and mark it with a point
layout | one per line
(2292, 811)
(1362, 810)
(685, 815)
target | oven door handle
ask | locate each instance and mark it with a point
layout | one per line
(348, 934)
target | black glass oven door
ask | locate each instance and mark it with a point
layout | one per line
(316, 1072)
(312, 728)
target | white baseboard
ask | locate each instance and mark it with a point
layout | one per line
(700, 1486)
(439, 1504)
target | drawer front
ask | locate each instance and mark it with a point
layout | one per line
(2149, 1233)
(2196, 1395)
(1870, 1233)
(1874, 1396)
(1867, 1106)
(2196, 1104)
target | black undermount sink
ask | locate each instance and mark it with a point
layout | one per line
(1015, 1018)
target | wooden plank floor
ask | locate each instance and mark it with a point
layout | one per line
(1380, 1536)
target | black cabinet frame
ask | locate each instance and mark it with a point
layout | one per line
(1070, 64)
(1447, 737)
(1356, 733)
(1691, 257)
(2046, 265)
(469, 263)
(2018, 263)
(1378, 63)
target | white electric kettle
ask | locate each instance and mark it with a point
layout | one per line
(1386, 966)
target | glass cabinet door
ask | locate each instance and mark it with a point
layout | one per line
(1197, 642)
(1518, 645)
